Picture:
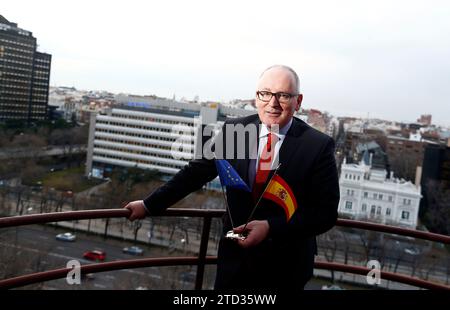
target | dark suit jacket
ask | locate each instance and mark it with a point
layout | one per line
(285, 259)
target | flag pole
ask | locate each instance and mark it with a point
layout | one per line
(260, 197)
(224, 197)
(226, 205)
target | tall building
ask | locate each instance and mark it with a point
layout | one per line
(366, 194)
(24, 75)
(436, 164)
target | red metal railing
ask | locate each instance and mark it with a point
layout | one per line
(201, 259)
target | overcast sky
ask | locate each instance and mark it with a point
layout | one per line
(387, 59)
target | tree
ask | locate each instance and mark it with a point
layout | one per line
(437, 216)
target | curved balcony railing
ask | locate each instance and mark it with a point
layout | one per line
(202, 258)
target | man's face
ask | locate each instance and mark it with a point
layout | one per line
(277, 80)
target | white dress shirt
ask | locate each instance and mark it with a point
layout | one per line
(263, 136)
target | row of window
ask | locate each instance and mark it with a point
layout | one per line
(17, 68)
(13, 92)
(18, 55)
(45, 84)
(35, 115)
(152, 119)
(376, 210)
(12, 98)
(21, 51)
(139, 135)
(136, 126)
(137, 144)
(390, 198)
(27, 63)
(133, 143)
(377, 196)
(43, 60)
(350, 176)
(17, 43)
(14, 104)
(13, 73)
(39, 73)
(15, 107)
(16, 86)
(47, 67)
(157, 120)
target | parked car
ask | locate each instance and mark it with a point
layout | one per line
(66, 237)
(133, 250)
(95, 255)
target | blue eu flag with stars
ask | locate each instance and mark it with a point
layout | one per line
(229, 177)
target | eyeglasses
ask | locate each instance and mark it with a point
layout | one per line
(266, 96)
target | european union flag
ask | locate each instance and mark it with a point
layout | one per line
(229, 177)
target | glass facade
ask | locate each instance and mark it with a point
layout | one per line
(24, 75)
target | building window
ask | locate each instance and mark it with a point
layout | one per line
(348, 205)
(366, 194)
(379, 210)
(390, 198)
(380, 196)
(405, 215)
(364, 207)
(388, 211)
(372, 210)
(375, 196)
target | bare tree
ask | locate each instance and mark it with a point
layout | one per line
(438, 213)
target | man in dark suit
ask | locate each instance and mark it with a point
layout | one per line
(276, 253)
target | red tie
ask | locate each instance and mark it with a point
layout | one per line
(264, 166)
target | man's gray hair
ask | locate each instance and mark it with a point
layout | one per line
(296, 78)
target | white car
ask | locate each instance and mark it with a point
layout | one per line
(133, 250)
(66, 237)
(412, 251)
(332, 287)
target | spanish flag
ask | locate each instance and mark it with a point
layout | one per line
(279, 192)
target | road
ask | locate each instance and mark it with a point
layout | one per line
(53, 150)
(35, 248)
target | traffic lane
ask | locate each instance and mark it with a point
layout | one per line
(42, 247)
(44, 239)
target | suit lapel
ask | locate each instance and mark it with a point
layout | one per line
(290, 144)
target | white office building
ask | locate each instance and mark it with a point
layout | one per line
(367, 194)
(150, 134)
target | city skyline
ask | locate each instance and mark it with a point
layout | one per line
(386, 60)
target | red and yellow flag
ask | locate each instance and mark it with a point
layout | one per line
(279, 192)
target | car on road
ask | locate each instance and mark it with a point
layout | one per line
(412, 251)
(87, 276)
(95, 255)
(133, 250)
(66, 237)
(332, 287)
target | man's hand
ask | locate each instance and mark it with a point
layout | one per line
(256, 231)
(137, 209)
